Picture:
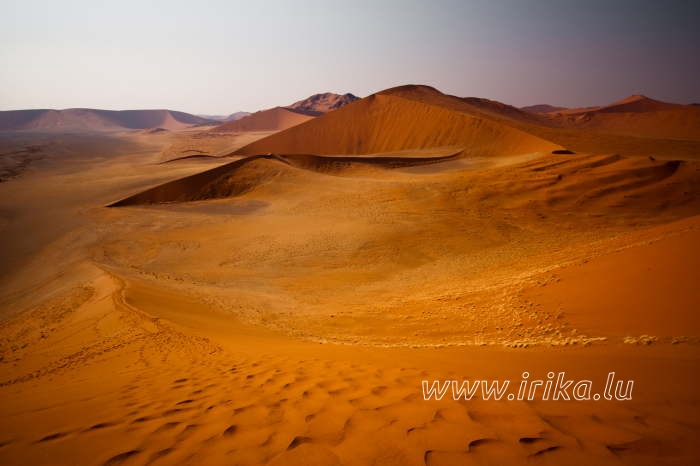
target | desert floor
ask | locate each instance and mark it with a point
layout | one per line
(293, 324)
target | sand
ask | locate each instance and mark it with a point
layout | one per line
(386, 122)
(284, 308)
(274, 119)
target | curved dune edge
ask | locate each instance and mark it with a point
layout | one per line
(244, 175)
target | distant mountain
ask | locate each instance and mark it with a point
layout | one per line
(87, 119)
(280, 118)
(237, 116)
(232, 117)
(542, 108)
(319, 104)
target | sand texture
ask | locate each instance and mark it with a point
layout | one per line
(276, 297)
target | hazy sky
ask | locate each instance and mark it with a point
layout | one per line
(224, 56)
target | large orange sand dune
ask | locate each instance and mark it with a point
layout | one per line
(386, 122)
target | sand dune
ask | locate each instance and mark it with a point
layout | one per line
(665, 281)
(284, 307)
(249, 173)
(632, 104)
(204, 332)
(85, 119)
(679, 123)
(183, 143)
(385, 122)
(274, 119)
(636, 115)
(491, 221)
(474, 106)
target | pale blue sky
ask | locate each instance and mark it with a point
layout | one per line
(224, 56)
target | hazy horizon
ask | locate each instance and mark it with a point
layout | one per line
(239, 56)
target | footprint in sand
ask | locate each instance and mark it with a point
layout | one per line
(121, 458)
(230, 430)
(54, 436)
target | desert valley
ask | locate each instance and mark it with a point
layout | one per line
(273, 287)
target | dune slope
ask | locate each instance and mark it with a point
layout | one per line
(247, 174)
(636, 115)
(274, 119)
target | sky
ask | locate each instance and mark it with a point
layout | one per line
(217, 57)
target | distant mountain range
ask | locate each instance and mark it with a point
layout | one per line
(279, 118)
(88, 119)
(94, 120)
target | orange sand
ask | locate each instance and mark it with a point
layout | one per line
(289, 310)
(274, 119)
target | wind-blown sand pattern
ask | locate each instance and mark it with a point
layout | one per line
(282, 305)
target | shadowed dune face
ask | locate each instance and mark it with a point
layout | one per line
(247, 174)
(385, 123)
(228, 180)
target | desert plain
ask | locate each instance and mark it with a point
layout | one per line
(274, 290)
